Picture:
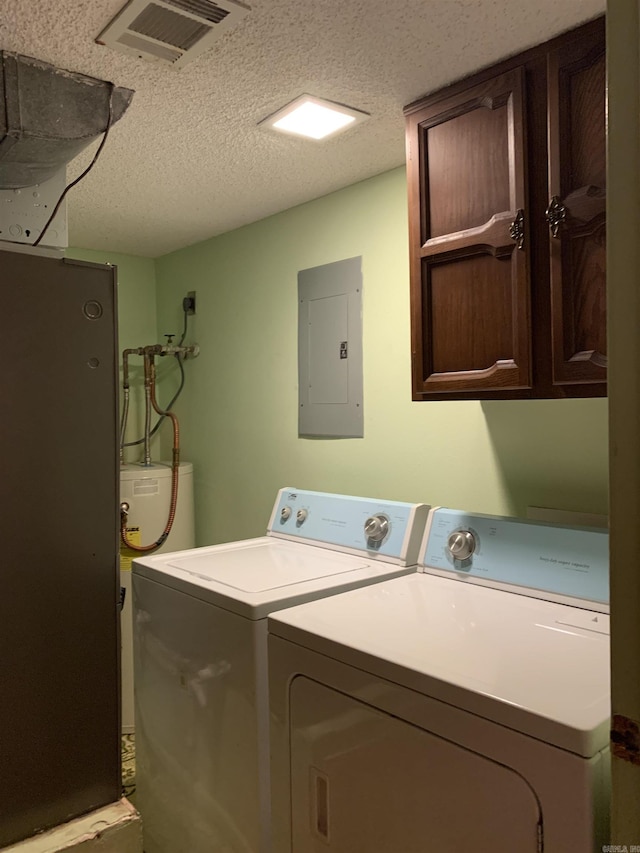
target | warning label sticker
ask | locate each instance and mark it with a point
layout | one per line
(127, 555)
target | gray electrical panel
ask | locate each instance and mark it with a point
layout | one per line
(330, 350)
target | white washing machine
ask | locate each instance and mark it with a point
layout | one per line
(200, 658)
(464, 708)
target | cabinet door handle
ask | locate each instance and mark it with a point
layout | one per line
(516, 229)
(555, 215)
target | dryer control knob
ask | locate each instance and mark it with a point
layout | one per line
(301, 516)
(461, 544)
(285, 513)
(376, 528)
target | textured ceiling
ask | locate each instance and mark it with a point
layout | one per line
(188, 161)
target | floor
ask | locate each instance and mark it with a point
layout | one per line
(129, 767)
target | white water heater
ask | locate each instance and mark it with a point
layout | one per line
(147, 490)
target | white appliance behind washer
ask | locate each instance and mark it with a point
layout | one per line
(462, 709)
(200, 658)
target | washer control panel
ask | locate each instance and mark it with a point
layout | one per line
(566, 561)
(391, 529)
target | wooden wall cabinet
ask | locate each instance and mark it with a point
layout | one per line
(507, 180)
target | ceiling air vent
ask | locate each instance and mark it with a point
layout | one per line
(170, 31)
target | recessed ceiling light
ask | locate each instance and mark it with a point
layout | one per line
(313, 118)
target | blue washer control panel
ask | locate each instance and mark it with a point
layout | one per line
(390, 529)
(566, 561)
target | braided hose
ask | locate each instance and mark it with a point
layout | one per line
(175, 471)
(147, 409)
(123, 422)
(125, 391)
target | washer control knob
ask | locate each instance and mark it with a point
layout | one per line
(461, 544)
(285, 513)
(376, 528)
(301, 516)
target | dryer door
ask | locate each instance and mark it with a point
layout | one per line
(365, 781)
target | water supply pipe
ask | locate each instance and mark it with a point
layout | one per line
(149, 354)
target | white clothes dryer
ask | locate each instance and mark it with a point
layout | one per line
(463, 709)
(200, 658)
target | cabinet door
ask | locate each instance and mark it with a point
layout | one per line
(469, 280)
(576, 214)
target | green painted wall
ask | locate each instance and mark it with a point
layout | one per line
(137, 323)
(239, 409)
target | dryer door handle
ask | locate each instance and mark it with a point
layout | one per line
(320, 788)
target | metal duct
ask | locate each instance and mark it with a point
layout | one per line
(48, 116)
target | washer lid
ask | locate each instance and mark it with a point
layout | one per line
(257, 576)
(263, 566)
(531, 665)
